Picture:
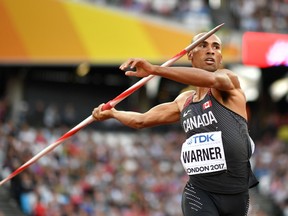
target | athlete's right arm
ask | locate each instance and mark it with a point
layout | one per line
(161, 114)
(165, 113)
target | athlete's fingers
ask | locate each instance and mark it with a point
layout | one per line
(135, 63)
(132, 63)
(126, 64)
(137, 67)
(130, 73)
(96, 112)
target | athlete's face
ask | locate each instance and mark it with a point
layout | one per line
(207, 55)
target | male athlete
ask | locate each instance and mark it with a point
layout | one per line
(218, 147)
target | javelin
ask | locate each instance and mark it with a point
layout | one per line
(110, 104)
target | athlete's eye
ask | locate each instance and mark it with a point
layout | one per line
(202, 45)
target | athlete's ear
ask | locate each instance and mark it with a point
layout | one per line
(190, 55)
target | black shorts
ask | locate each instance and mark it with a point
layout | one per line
(197, 202)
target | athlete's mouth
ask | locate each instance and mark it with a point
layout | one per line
(210, 60)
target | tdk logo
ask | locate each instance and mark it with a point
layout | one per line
(201, 139)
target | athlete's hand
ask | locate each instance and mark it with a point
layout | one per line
(142, 67)
(101, 115)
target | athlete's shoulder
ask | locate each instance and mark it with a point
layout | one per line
(233, 77)
(224, 70)
(184, 98)
(186, 94)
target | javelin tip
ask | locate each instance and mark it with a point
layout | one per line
(218, 27)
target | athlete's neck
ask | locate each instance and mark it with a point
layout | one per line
(200, 93)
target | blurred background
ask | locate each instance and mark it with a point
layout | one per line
(59, 59)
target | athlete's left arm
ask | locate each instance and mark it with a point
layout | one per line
(222, 79)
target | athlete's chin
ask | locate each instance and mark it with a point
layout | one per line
(210, 68)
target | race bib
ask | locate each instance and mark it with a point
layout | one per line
(203, 153)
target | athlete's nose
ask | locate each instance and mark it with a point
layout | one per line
(210, 50)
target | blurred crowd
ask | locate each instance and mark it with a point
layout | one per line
(271, 158)
(261, 15)
(247, 15)
(94, 173)
(109, 172)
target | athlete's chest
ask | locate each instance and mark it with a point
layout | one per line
(198, 114)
